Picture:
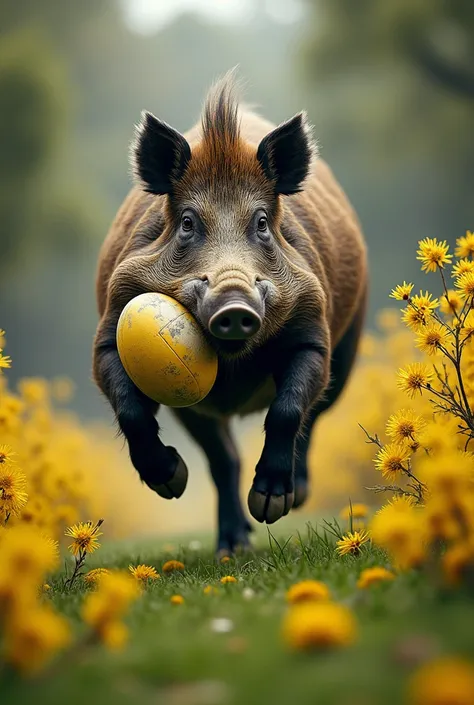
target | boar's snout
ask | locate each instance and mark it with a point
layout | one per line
(235, 321)
(232, 310)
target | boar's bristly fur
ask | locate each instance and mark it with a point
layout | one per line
(241, 222)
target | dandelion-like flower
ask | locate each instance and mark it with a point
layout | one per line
(5, 361)
(372, 576)
(6, 454)
(33, 637)
(319, 625)
(171, 566)
(402, 292)
(444, 681)
(84, 537)
(432, 254)
(405, 427)
(465, 284)
(451, 302)
(356, 510)
(177, 599)
(462, 266)
(226, 579)
(391, 460)
(420, 310)
(13, 496)
(352, 542)
(143, 572)
(465, 245)
(414, 378)
(93, 576)
(103, 608)
(307, 591)
(210, 590)
(457, 562)
(432, 338)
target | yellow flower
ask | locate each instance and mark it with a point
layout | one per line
(400, 503)
(451, 302)
(26, 553)
(210, 590)
(33, 637)
(307, 591)
(405, 427)
(94, 575)
(116, 591)
(371, 576)
(225, 559)
(399, 531)
(468, 324)
(13, 496)
(458, 562)
(143, 572)
(391, 460)
(170, 566)
(414, 378)
(319, 625)
(6, 454)
(357, 510)
(444, 681)
(462, 266)
(176, 599)
(5, 361)
(448, 474)
(402, 292)
(465, 245)
(432, 254)
(228, 579)
(432, 338)
(114, 635)
(62, 389)
(419, 310)
(352, 543)
(34, 390)
(465, 284)
(84, 536)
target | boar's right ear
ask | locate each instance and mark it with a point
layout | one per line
(160, 155)
(286, 154)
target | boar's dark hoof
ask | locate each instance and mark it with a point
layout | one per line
(301, 493)
(269, 507)
(175, 486)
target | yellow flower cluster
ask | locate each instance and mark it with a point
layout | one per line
(427, 460)
(32, 632)
(103, 609)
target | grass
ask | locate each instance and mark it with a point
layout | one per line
(175, 657)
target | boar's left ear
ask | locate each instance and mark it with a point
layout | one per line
(159, 155)
(286, 153)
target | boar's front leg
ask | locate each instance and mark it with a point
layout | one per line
(159, 466)
(301, 376)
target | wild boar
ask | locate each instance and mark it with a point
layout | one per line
(242, 223)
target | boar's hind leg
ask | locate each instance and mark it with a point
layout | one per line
(159, 466)
(342, 362)
(214, 437)
(302, 376)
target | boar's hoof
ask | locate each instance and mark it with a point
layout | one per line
(176, 485)
(301, 493)
(268, 507)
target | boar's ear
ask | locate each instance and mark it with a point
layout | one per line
(286, 153)
(160, 155)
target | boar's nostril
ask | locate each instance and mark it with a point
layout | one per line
(235, 322)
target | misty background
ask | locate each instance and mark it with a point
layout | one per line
(389, 88)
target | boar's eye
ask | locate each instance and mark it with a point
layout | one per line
(262, 224)
(187, 223)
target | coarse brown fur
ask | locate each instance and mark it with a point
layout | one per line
(313, 267)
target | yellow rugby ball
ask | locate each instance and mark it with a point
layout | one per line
(164, 351)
